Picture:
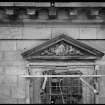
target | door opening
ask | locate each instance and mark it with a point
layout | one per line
(62, 90)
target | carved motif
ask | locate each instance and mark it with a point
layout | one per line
(61, 49)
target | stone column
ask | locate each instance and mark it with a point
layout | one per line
(36, 87)
(27, 91)
(36, 91)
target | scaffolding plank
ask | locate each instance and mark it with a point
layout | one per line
(62, 76)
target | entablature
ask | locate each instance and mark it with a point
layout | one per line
(84, 12)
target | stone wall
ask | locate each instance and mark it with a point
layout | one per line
(16, 39)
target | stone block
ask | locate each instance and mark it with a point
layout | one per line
(5, 90)
(72, 32)
(11, 63)
(2, 71)
(2, 77)
(10, 32)
(95, 44)
(10, 79)
(18, 92)
(21, 100)
(8, 100)
(1, 55)
(102, 100)
(7, 45)
(87, 33)
(14, 70)
(27, 45)
(17, 86)
(100, 33)
(100, 45)
(12, 55)
(36, 33)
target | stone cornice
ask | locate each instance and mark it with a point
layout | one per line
(45, 12)
(57, 4)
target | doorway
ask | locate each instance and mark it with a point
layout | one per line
(62, 90)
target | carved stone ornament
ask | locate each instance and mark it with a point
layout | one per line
(62, 47)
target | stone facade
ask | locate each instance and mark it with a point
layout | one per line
(17, 39)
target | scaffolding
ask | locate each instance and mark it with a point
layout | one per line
(56, 81)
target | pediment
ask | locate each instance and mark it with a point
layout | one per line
(62, 47)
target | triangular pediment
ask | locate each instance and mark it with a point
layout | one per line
(62, 48)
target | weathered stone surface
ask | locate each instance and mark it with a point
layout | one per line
(8, 100)
(102, 100)
(7, 45)
(100, 33)
(97, 44)
(21, 100)
(1, 55)
(10, 80)
(2, 70)
(11, 63)
(43, 14)
(17, 93)
(2, 77)
(5, 90)
(12, 55)
(87, 33)
(21, 87)
(14, 70)
(10, 32)
(27, 44)
(12, 87)
(62, 14)
(18, 90)
(72, 32)
(36, 33)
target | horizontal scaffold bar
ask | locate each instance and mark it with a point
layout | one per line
(62, 76)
